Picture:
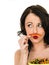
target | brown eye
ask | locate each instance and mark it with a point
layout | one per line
(29, 25)
(39, 25)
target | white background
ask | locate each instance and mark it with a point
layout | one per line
(10, 13)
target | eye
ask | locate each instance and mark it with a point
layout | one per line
(29, 25)
(39, 25)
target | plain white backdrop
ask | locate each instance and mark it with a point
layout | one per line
(10, 13)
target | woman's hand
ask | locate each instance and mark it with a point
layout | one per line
(23, 42)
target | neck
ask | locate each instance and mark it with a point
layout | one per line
(39, 46)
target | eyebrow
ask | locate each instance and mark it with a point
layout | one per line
(32, 23)
(29, 22)
(39, 23)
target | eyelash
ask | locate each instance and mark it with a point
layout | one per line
(39, 25)
(29, 25)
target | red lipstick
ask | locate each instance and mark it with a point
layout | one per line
(35, 37)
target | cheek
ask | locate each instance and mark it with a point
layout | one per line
(27, 30)
(41, 31)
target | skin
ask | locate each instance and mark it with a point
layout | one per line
(32, 25)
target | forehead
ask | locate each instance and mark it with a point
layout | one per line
(31, 17)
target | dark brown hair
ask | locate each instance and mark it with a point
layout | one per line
(44, 16)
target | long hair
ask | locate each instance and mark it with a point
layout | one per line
(42, 14)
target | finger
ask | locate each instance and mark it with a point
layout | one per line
(25, 46)
(21, 35)
(22, 42)
(25, 36)
(28, 36)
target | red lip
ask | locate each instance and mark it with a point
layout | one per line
(35, 37)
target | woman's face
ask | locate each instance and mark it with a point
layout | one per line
(34, 28)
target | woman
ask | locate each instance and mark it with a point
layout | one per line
(34, 44)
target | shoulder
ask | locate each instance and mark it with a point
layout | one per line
(18, 52)
(17, 56)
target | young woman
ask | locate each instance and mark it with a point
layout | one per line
(34, 44)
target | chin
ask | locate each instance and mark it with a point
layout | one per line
(35, 41)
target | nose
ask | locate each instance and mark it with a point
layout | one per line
(35, 30)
